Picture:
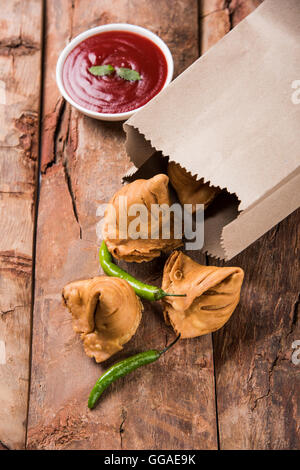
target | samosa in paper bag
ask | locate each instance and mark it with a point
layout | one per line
(190, 190)
(121, 213)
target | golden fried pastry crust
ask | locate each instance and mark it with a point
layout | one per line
(190, 190)
(212, 294)
(106, 311)
(144, 192)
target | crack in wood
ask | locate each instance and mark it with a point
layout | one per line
(279, 358)
(274, 364)
(35, 205)
(72, 195)
(72, 19)
(121, 429)
(62, 149)
(228, 6)
(5, 312)
(211, 13)
(295, 316)
(273, 233)
(18, 46)
(52, 133)
(15, 193)
(296, 311)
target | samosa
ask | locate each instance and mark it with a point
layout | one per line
(105, 311)
(212, 294)
(136, 201)
(190, 190)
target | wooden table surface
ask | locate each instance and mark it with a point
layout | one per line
(235, 389)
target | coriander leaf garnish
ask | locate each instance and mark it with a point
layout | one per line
(101, 70)
(128, 74)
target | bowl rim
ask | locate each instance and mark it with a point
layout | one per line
(100, 29)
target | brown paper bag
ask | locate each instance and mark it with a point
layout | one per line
(233, 117)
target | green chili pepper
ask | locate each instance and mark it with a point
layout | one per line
(142, 290)
(123, 368)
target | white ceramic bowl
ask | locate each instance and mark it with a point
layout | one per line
(100, 29)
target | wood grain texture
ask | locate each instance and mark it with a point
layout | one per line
(257, 383)
(171, 403)
(20, 40)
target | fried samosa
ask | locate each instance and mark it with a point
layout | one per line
(212, 294)
(145, 193)
(105, 311)
(190, 190)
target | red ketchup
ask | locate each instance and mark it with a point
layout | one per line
(111, 93)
